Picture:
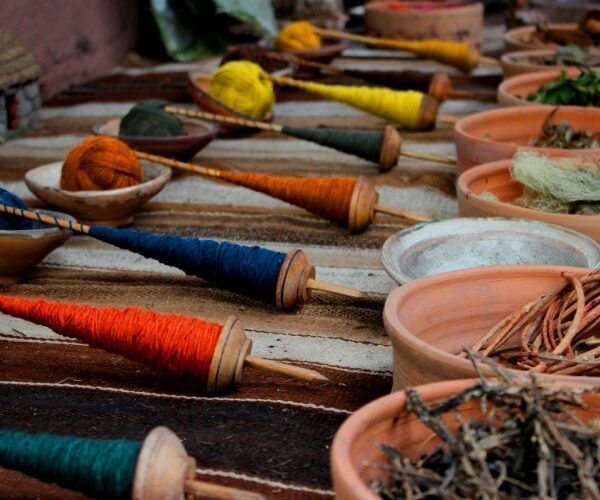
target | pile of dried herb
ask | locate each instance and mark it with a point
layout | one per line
(569, 55)
(529, 445)
(582, 90)
(562, 136)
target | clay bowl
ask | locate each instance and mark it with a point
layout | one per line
(467, 242)
(495, 177)
(198, 87)
(520, 38)
(498, 133)
(114, 207)
(327, 52)
(22, 250)
(356, 444)
(432, 319)
(182, 147)
(524, 61)
(514, 91)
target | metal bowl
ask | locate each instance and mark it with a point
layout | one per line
(462, 243)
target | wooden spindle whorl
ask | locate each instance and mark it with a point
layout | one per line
(390, 148)
(427, 113)
(228, 359)
(362, 205)
(440, 86)
(293, 276)
(162, 467)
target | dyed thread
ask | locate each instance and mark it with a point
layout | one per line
(300, 35)
(100, 163)
(9, 223)
(149, 119)
(238, 85)
(101, 469)
(178, 345)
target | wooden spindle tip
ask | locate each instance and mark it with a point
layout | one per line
(440, 86)
(390, 148)
(427, 113)
(163, 466)
(291, 287)
(362, 205)
(227, 363)
(472, 59)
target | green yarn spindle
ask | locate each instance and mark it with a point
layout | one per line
(149, 119)
(99, 468)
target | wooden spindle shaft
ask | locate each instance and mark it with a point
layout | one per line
(406, 214)
(227, 120)
(428, 157)
(202, 489)
(313, 284)
(284, 369)
(45, 218)
(170, 162)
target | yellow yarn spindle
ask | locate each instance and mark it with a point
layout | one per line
(297, 36)
(238, 85)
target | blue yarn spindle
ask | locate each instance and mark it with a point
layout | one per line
(98, 468)
(8, 222)
(251, 270)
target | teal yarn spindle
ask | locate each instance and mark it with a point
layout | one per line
(149, 119)
(101, 469)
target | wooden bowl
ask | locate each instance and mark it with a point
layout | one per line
(520, 38)
(497, 134)
(356, 446)
(327, 52)
(198, 84)
(114, 207)
(512, 67)
(495, 177)
(432, 319)
(181, 147)
(22, 250)
(455, 21)
(514, 91)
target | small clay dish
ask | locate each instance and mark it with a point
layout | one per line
(466, 242)
(431, 320)
(327, 52)
(521, 38)
(498, 133)
(181, 147)
(495, 178)
(514, 91)
(528, 61)
(114, 207)
(198, 84)
(22, 250)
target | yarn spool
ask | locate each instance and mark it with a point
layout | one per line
(460, 55)
(149, 119)
(381, 147)
(100, 163)
(157, 468)
(211, 354)
(285, 279)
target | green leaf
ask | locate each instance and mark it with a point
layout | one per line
(258, 13)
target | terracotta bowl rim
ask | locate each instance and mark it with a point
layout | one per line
(507, 111)
(163, 177)
(396, 330)
(192, 75)
(210, 133)
(42, 232)
(458, 4)
(507, 59)
(513, 35)
(469, 176)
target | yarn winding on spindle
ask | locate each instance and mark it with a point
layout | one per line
(240, 86)
(8, 222)
(99, 468)
(149, 119)
(299, 35)
(100, 163)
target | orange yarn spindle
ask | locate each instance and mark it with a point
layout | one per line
(100, 163)
(171, 343)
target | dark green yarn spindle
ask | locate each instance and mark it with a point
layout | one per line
(101, 469)
(365, 144)
(149, 119)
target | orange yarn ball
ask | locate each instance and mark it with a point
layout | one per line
(100, 163)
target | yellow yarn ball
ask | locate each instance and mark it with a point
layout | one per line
(297, 36)
(240, 86)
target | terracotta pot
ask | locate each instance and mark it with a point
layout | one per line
(512, 67)
(498, 133)
(114, 207)
(514, 91)
(356, 444)
(457, 21)
(198, 84)
(432, 319)
(520, 38)
(21, 251)
(181, 147)
(495, 177)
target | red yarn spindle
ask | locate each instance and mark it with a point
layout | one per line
(171, 343)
